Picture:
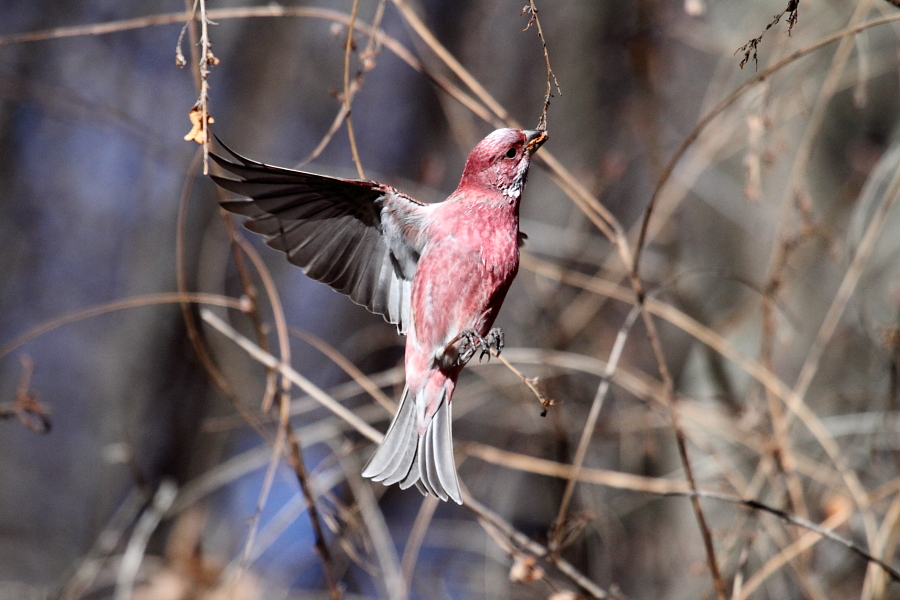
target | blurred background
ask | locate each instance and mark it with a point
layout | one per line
(771, 267)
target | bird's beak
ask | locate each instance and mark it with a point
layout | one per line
(533, 140)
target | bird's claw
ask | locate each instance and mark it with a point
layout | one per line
(492, 341)
(470, 340)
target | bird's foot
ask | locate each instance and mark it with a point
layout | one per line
(492, 341)
(469, 342)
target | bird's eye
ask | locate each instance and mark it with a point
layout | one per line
(511, 153)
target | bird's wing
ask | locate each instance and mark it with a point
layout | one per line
(360, 237)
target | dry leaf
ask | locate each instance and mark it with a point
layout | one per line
(525, 570)
(566, 595)
(197, 133)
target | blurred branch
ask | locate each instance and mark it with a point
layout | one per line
(285, 433)
(652, 485)
(529, 546)
(117, 305)
(296, 459)
(794, 199)
(589, 426)
(680, 440)
(25, 406)
(542, 466)
(367, 430)
(728, 101)
(296, 378)
(90, 565)
(364, 381)
(137, 544)
(417, 536)
(393, 582)
(187, 314)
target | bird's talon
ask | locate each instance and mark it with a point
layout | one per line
(469, 342)
(493, 341)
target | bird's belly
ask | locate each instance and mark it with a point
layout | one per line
(455, 290)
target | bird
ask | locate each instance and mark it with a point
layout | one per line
(439, 272)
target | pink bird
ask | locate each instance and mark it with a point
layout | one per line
(439, 272)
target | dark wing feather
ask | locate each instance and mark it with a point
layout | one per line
(360, 237)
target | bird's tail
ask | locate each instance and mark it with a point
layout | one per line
(407, 458)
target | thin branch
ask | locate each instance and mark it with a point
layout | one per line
(117, 305)
(296, 378)
(749, 49)
(296, 458)
(662, 487)
(347, 96)
(530, 382)
(534, 20)
(281, 329)
(666, 174)
(529, 546)
(199, 113)
(793, 200)
(190, 323)
(137, 544)
(589, 426)
(391, 580)
(416, 537)
(367, 430)
(681, 443)
(25, 406)
(348, 367)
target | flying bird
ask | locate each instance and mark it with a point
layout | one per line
(440, 272)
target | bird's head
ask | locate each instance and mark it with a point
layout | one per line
(500, 161)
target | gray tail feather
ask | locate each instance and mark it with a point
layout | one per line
(426, 461)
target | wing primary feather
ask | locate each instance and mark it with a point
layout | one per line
(334, 229)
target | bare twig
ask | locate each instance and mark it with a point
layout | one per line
(750, 47)
(681, 443)
(417, 536)
(513, 460)
(541, 466)
(688, 141)
(107, 541)
(295, 456)
(137, 545)
(25, 406)
(391, 580)
(614, 355)
(348, 367)
(529, 546)
(364, 428)
(347, 96)
(534, 20)
(793, 199)
(199, 114)
(263, 495)
(281, 329)
(530, 382)
(296, 378)
(286, 433)
(116, 305)
(190, 323)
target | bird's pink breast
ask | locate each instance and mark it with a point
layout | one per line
(463, 274)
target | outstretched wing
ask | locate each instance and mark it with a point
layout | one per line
(360, 237)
